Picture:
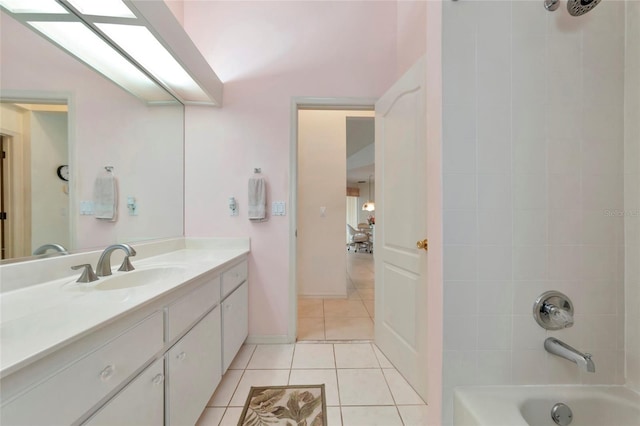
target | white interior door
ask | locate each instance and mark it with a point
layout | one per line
(401, 193)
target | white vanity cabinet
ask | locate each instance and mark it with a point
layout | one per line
(157, 364)
(141, 403)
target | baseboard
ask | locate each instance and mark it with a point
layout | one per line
(323, 296)
(269, 340)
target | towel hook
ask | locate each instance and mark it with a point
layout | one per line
(257, 170)
(108, 168)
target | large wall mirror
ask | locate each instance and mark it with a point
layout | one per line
(61, 120)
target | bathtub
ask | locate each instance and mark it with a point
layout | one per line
(531, 405)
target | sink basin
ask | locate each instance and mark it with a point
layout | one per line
(138, 277)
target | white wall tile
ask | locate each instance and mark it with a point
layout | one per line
(599, 263)
(530, 263)
(494, 262)
(528, 123)
(529, 77)
(529, 155)
(495, 297)
(494, 191)
(494, 332)
(564, 191)
(605, 123)
(564, 117)
(602, 192)
(461, 297)
(494, 227)
(462, 332)
(564, 262)
(459, 191)
(599, 228)
(460, 263)
(460, 227)
(565, 226)
(461, 367)
(563, 155)
(529, 367)
(529, 191)
(530, 227)
(494, 367)
(460, 48)
(459, 153)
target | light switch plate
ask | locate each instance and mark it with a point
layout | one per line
(86, 208)
(278, 208)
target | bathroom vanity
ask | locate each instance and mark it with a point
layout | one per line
(147, 346)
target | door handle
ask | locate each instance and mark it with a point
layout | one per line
(423, 244)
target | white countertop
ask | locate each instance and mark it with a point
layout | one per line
(38, 319)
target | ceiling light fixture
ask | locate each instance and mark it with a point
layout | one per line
(369, 205)
(122, 41)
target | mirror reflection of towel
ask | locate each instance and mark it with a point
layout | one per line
(257, 199)
(105, 197)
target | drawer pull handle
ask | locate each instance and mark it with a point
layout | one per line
(181, 356)
(158, 379)
(107, 372)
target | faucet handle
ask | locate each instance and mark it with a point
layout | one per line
(560, 317)
(126, 265)
(87, 275)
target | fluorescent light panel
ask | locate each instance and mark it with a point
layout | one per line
(86, 45)
(142, 46)
(114, 8)
(33, 6)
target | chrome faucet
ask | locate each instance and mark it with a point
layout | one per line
(103, 268)
(558, 347)
(55, 247)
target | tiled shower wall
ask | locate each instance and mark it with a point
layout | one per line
(533, 108)
(632, 195)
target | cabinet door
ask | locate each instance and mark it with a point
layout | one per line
(235, 324)
(193, 370)
(140, 403)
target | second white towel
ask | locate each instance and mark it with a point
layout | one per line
(257, 199)
(105, 197)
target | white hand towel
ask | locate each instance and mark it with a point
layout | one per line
(257, 199)
(105, 197)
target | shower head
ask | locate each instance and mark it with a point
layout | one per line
(575, 7)
(580, 7)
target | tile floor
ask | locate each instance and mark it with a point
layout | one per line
(362, 387)
(342, 319)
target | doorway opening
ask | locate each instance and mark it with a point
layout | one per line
(333, 294)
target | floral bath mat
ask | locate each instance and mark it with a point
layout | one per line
(303, 405)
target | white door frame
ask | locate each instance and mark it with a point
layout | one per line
(298, 103)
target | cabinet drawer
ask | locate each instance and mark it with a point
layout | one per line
(71, 392)
(185, 311)
(141, 403)
(233, 278)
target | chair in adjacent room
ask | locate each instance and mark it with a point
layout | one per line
(358, 239)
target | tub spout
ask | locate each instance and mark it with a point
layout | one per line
(558, 347)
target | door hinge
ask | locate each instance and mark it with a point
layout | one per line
(4, 154)
(3, 215)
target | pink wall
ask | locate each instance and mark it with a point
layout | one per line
(411, 40)
(266, 53)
